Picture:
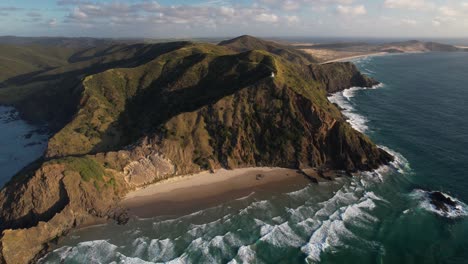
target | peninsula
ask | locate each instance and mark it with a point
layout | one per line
(124, 116)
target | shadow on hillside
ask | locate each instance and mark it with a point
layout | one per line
(147, 112)
(54, 95)
(117, 56)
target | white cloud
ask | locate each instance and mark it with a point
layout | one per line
(448, 11)
(294, 5)
(268, 18)
(351, 10)
(78, 14)
(151, 12)
(10, 8)
(291, 5)
(52, 22)
(291, 20)
(408, 22)
(409, 4)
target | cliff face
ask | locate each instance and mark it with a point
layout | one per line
(339, 76)
(193, 108)
(47, 202)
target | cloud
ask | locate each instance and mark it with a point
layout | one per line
(408, 22)
(10, 8)
(291, 5)
(268, 18)
(52, 22)
(77, 14)
(34, 14)
(154, 13)
(294, 5)
(72, 2)
(292, 20)
(436, 22)
(409, 4)
(450, 14)
(448, 11)
(351, 10)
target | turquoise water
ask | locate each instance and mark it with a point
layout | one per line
(419, 114)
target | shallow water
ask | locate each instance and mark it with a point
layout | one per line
(20, 143)
(418, 114)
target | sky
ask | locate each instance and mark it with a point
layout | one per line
(222, 18)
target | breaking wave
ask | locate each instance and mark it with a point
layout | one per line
(343, 100)
(314, 220)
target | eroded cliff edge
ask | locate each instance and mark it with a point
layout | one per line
(191, 108)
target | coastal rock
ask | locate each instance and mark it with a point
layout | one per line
(148, 169)
(48, 203)
(338, 76)
(443, 203)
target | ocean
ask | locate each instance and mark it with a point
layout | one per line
(418, 113)
(20, 143)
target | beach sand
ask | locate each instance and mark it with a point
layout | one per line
(356, 57)
(188, 194)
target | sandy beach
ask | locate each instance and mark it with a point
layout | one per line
(355, 57)
(187, 194)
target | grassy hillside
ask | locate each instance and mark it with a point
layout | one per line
(53, 95)
(246, 43)
(17, 60)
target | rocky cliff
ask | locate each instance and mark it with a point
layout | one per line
(339, 76)
(190, 108)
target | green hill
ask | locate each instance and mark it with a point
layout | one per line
(17, 60)
(246, 43)
(128, 115)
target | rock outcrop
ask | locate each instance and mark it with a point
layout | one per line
(338, 76)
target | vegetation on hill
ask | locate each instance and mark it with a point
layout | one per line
(246, 43)
(128, 115)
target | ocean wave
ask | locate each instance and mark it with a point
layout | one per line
(282, 236)
(97, 251)
(400, 163)
(245, 254)
(328, 235)
(343, 100)
(352, 205)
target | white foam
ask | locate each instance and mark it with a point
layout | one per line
(399, 162)
(343, 100)
(282, 236)
(245, 255)
(97, 251)
(161, 250)
(326, 236)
